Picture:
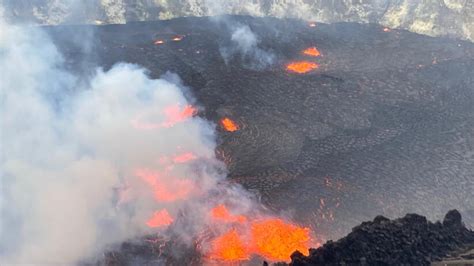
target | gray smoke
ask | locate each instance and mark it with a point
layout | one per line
(76, 161)
(244, 42)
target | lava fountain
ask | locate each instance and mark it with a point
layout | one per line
(301, 67)
(312, 51)
(159, 42)
(177, 38)
(229, 125)
(270, 238)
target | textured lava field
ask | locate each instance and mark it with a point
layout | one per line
(384, 126)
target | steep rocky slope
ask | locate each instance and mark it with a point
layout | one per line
(434, 17)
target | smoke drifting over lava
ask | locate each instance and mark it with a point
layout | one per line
(86, 166)
(70, 155)
(245, 43)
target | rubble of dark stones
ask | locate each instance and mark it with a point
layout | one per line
(411, 240)
(150, 250)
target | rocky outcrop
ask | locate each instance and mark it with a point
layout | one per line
(435, 18)
(411, 240)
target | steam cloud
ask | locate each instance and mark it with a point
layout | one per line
(74, 160)
(245, 43)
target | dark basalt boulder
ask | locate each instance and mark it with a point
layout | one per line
(411, 240)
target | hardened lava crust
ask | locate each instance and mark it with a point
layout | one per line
(384, 124)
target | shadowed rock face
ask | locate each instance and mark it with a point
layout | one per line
(435, 17)
(411, 240)
(384, 125)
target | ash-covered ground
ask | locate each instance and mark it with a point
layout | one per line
(385, 125)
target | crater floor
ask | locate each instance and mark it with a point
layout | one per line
(385, 125)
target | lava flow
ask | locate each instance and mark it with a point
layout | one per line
(229, 247)
(160, 219)
(158, 42)
(276, 240)
(177, 38)
(312, 51)
(185, 157)
(172, 190)
(301, 67)
(173, 115)
(220, 213)
(271, 238)
(229, 125)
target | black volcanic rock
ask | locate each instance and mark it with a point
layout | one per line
(411, 240)
(453, 219)
(385, 125)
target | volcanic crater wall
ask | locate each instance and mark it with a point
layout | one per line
(437, 17)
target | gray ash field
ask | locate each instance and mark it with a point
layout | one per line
(384, 126)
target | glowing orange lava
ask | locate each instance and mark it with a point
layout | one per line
(172, 190)
(221, 213)
(229, 125)
(160, 219)
(185, 157)
(301, 67)
(229, 247)
(276, 240)
(158, 42)
(312, 51)
(174, 114)
(177, 38)
(312, 24)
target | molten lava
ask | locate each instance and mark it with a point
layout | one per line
(312, 51)
(177, 38)
(220, 213)
(172, 190)
(160, 219)
(312, 24)
(229, 247)
(174, 114)
(301, 67)
(158, 42)
(386, 29)
(229, 125)
(271, 238)
(276, 240)
(185, 157)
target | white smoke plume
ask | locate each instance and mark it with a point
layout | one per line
(89, 161)
(244, 42)
(76, 163)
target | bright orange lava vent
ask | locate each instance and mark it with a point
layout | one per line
(177, 38)
(276, 240)
(312, 51)
(271, 238)
(229, 247)
(229, 125)
(220, 213)
(301, 67)
(160, 219)
(158, 42)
